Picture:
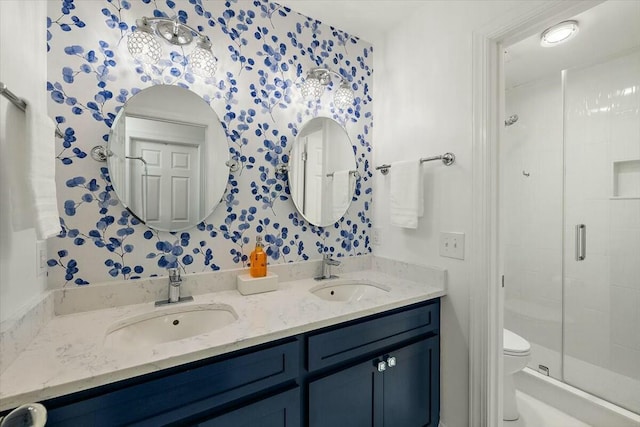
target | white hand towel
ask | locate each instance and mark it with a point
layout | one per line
(341, 190)
(34, 200)
(406, 194)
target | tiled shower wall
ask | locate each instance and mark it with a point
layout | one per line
(597, 348)
(263, 51)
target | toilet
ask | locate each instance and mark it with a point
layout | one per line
(516, 353)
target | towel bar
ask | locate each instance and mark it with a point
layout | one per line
(19, 102)
(353, 172)
(447, 158)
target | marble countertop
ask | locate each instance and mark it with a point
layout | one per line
(69, 353)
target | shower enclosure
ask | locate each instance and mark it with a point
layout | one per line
(570, 225)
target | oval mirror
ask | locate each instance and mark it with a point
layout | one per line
(322, 171)
(167, 158)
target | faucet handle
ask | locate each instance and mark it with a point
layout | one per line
(174, 274)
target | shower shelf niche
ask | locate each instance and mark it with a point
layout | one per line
(626, 179)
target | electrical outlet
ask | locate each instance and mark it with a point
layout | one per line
(376, 236)
(41, 258)
(452, 245)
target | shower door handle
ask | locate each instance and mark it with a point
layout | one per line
(581, 242)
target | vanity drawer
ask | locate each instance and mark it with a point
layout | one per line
(366, 336)
(181, 392)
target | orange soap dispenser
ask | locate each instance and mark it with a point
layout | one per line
(258, 260)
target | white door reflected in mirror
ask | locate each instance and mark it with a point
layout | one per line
(322, 171)
(167, 158)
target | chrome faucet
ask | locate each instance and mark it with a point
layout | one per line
(327, 262)
(174, 285)
(175, 281)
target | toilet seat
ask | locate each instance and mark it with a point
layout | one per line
(514, 344)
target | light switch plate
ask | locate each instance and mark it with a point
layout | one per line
(452, 245)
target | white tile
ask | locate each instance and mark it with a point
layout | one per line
(625, 242)
(576, 296)
(625, 361)
(625, 132)
(595, 273)
(587, 335)
(625, 270)
(625, 214)
(625, 318)
(598, 296)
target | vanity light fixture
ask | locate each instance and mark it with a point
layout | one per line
(559, 33)
(144, 45)
(318, 79)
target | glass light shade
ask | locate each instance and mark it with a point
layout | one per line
(202, 62)
(343, 98)
(311, 89)
(143, 46)
(559, 33)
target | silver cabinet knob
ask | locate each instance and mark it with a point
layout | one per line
(391, 361)
(382, 366)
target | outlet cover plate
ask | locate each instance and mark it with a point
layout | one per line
(41, 258)
(452, 245)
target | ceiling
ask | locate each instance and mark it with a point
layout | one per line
(608, 29)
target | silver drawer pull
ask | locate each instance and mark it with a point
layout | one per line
(382, 366)
(581, 242)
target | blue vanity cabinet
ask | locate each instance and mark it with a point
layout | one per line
(188, 394)
(281, 410)
(411, 386)
(327, 377)
(346, 398)
(383, 372)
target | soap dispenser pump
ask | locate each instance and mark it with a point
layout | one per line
(258, 260)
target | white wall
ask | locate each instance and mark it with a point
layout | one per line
(23, 68)
(423, 107)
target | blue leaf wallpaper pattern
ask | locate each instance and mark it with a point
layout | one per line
(263, 50)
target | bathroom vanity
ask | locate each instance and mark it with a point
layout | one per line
(292, 357)
(333, 376)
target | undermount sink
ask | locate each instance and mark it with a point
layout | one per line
(348, 290)
(169, 324)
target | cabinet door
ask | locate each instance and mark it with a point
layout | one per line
(179, 393)
(346, 398)
(281, 410)
(411, 387)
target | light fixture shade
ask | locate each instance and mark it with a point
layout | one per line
(311, 89)
(202, 62)
(559, 33)
(143, 46)
(343, 98)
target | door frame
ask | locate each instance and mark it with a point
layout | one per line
(485, 298)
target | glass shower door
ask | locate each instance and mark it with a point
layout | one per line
(531, 212)
(601, 339)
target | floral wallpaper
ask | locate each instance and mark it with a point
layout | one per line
(263, 51)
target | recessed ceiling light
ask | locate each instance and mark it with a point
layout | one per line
(559, 33)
